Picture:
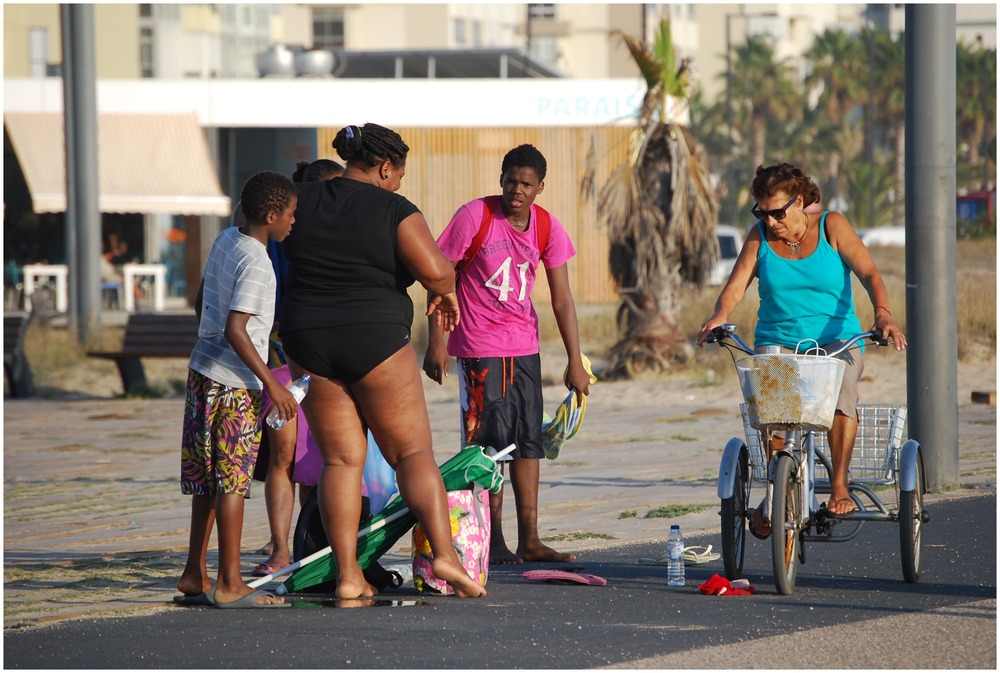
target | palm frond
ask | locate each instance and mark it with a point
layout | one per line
(643, 57)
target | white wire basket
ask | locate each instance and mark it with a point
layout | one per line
(790, 390)
(876, 448)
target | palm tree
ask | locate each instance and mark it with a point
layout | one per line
(764, 90)
(867, 187)
(837, 63)
(837, 75)
(976, 108)
(661, 211)
(890, 108)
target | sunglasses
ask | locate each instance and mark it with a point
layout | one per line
(778, 214)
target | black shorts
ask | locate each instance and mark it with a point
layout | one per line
(346, 353)
(501, 403)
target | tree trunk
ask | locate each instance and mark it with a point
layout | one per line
(758, 138)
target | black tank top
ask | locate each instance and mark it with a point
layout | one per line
(343, 268)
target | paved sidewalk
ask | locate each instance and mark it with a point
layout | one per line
(95, 524)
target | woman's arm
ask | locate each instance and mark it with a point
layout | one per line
(422, 257)
(852, 250)
(735, 288)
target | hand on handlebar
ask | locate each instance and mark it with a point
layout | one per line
(887, 330)
(709, 330)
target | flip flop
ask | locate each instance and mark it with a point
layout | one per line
(841, 515)
(249, 601)
(265, 569)
(692, 555)
(204, 600)
(565, 577)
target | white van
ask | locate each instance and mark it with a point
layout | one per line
(730, 243)
(895, 236)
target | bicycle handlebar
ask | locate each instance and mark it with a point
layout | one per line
(725, 332)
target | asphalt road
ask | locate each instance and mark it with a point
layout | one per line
(854, 589)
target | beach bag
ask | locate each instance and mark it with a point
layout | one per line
(469, 511)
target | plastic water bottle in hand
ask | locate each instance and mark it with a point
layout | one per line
(675, 557)
(298, 388)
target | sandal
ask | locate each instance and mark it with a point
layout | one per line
(692, 555)
(265, 569)
(838, 515)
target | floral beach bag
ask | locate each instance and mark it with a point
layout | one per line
(469, 511)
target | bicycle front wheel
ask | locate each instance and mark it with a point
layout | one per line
(734, 520)
(911, 526)
(786, 540)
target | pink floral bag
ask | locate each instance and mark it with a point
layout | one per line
(469, 512)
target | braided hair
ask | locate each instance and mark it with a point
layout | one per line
(371, 144)
(266, 192)
(785, 179)
(524, 156)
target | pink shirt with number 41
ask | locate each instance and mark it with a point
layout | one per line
(494, 291)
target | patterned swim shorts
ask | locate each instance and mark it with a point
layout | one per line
(220, 437)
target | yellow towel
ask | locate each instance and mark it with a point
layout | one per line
(568, 418)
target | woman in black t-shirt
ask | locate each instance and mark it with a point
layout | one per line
(345, 319)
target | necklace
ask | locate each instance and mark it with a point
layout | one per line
(793, 248)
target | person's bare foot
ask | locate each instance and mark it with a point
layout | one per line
(193, 586)
(539, 553)
(224, 598)
(267, 549)
(456, 577)
(349, 588)
(504, 557)
(841, 506)
(278, 559)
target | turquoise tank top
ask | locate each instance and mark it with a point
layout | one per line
(808, 298)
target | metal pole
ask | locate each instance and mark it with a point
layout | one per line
(931, 285)
(82, 208)
(69, 215)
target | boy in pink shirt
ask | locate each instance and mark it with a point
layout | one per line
(496, 340)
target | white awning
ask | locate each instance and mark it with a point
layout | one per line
(148, 163)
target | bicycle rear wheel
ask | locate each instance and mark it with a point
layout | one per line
(786, 540)
(911, 527)
(734, 519)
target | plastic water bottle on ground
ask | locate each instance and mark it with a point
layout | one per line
(298, 388)
(675, 557)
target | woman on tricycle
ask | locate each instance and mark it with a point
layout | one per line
(803, 262)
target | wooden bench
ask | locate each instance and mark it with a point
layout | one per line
(15, 363)
(151, 335)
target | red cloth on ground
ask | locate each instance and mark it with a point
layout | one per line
(717, 585)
